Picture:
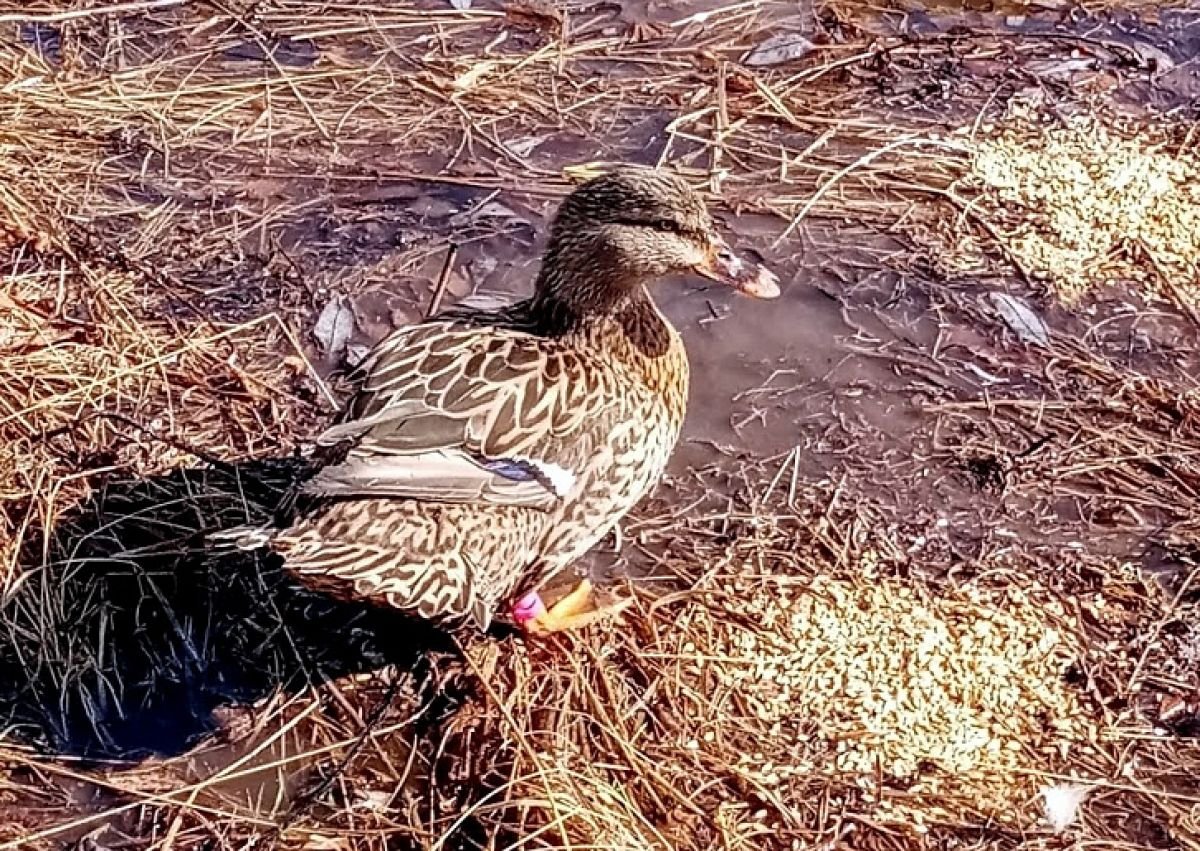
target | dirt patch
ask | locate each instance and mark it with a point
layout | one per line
(962, 684)
(1095, 208)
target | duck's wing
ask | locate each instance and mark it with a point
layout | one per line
(450, 413)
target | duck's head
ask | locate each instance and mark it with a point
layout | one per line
(626, 228)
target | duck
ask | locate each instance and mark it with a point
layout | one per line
(484, 450)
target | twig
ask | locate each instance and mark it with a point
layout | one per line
(859, 163)
(439, 290)
(76, 14)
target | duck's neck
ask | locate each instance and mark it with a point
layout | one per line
(576, 289)
(577, 306)
(617, 317)
(632, 330)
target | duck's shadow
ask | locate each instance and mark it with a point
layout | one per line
(126, 632)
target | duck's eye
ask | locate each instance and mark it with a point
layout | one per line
(661, 225)
(668, 226)
(691, 234)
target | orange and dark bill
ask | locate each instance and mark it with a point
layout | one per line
(745, 276)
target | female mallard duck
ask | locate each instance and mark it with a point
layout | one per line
(486, 450)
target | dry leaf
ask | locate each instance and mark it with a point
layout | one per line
(334, 326)
(785, 47)
(1018, 316)
(526, 146)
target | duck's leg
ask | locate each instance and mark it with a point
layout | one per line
(574, 611)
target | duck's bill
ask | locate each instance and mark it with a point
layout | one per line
(745, 276)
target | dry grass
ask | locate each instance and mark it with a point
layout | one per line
(100, 382)
(182, 185)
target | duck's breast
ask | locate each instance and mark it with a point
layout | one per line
(632, 445)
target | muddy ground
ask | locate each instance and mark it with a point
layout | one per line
(882, 378)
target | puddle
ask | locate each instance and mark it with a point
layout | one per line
(286, 52)
(258, 773)
(45, 40)
(1077, 46)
